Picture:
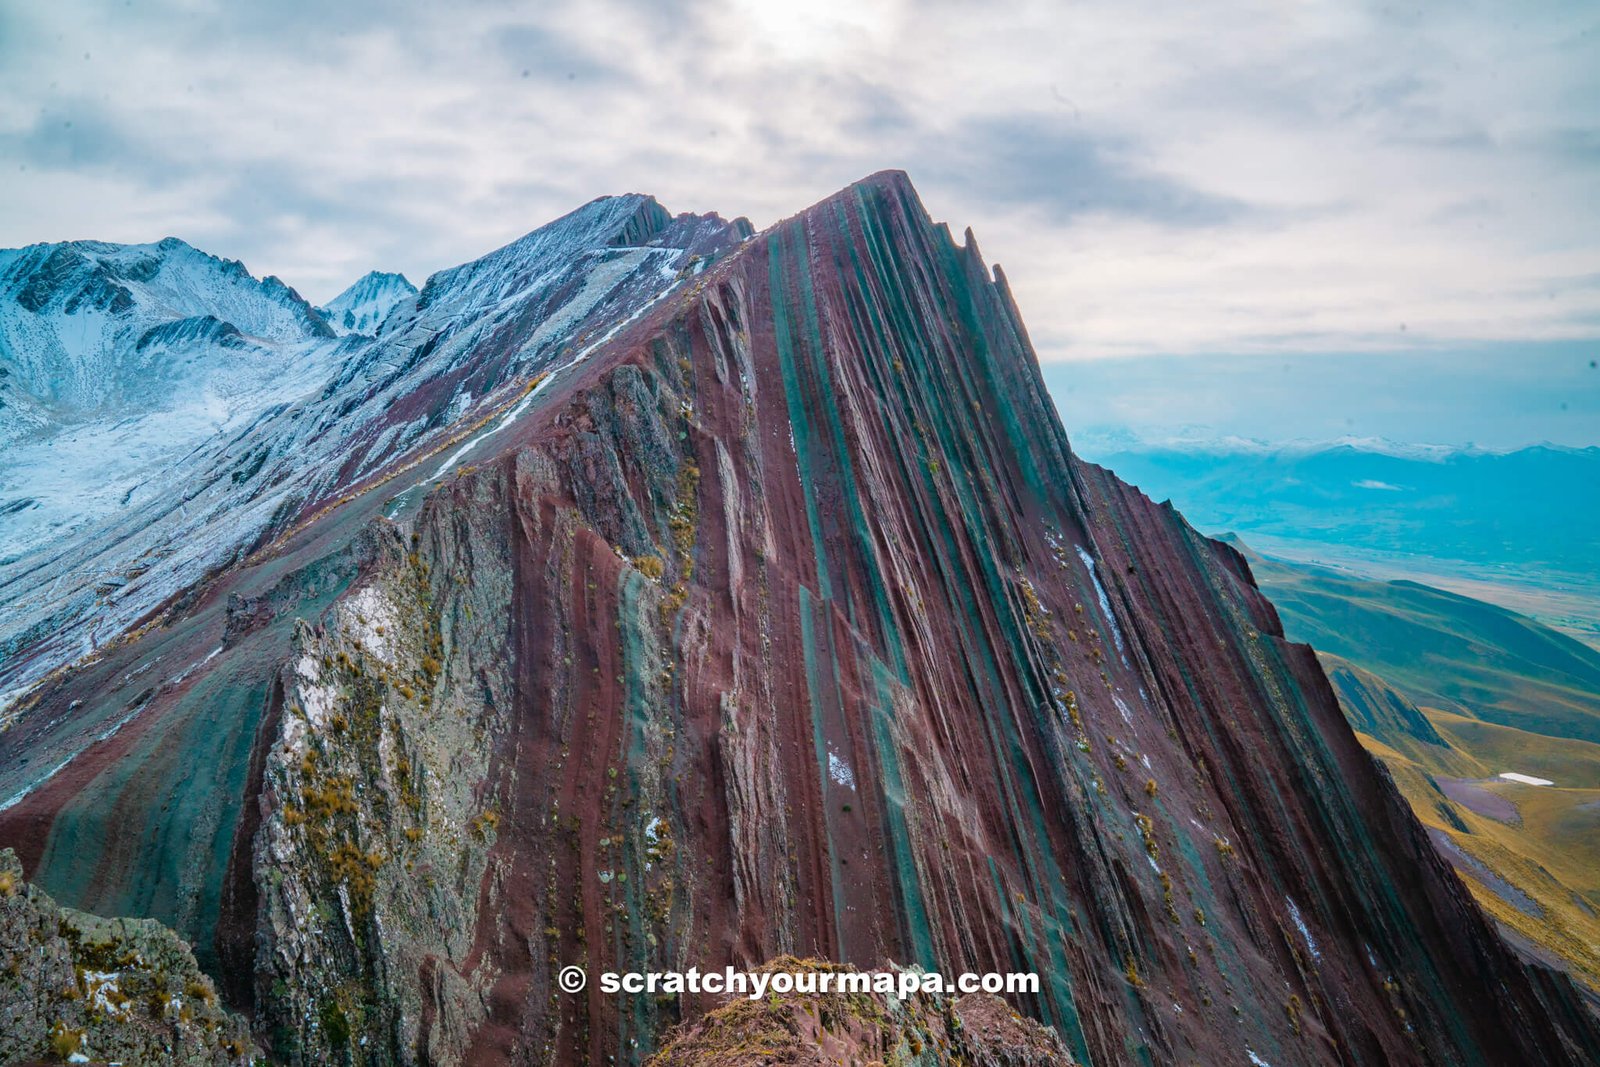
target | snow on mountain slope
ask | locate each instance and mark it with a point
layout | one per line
(89, 327)
(363, 307)
(476, 338)
(118, 360)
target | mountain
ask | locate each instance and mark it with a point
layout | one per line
(89, 326)
(1510, 526)
(1442, 649)
(753, 605)
(469, 350)
(363, 307)
(116, 361)
(1452, 694)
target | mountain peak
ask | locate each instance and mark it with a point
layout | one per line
(948, 694)
(605, 226)
(364, 305)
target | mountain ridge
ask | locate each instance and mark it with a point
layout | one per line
(366, 403)
(774, 615)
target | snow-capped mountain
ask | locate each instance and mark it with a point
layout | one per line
(363, 307)
(88, 328)
(117, 361)
(217, 436)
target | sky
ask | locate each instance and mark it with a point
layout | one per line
(1492, 396)
(1169, 181)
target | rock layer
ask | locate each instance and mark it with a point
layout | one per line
(784, 623)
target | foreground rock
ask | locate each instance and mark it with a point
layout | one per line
(821, 1030)
(78, 988)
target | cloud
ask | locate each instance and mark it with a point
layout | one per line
(1050, 165)
(75, 135)
(543, 53)
(1233, 177)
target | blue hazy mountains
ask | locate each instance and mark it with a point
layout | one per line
(1516, 528)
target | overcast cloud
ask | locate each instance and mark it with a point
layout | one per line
(1191, 178)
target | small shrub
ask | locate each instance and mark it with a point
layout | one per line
(64, 1040)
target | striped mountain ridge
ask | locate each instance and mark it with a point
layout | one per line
(783, 622)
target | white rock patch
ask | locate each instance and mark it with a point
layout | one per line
(1311, 944)
(371, 618)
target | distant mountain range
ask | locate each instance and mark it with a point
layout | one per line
(364, 306)
(1527, 516)
(116, 361)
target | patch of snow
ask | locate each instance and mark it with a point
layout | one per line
(840, 771)
(364, 306)
(196, 665)
(1105, 601)
(111, 731)
(522, 405)
(12, 696)
(1525, 779)
(1311, 944)
(22, 794)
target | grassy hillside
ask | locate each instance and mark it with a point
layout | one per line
(1450, 693)
(1442, 649)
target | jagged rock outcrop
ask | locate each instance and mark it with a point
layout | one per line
(78, 988)
(783, 621)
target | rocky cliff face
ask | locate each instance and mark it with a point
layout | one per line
(785, 622)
